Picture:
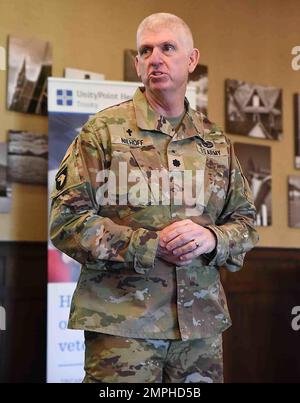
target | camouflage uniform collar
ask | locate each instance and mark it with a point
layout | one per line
(148, 119)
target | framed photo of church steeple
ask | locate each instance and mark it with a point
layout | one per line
(29, 66)
(253, 110)
(294, 200)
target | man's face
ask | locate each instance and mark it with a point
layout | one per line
(164, 60)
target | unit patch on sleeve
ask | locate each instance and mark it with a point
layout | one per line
(61, 178)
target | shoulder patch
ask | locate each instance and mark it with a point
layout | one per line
(61, 178)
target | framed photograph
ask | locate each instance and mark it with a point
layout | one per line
(256, 165)
(297, 129)
(29, 66)
(199, 79)
(5, 188)
(27, 157)
(294, 200)
(129, 66)
(253, 110)
(3, 170)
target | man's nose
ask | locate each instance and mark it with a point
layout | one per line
(156, 57)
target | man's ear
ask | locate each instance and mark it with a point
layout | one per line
(194, 59)
(137, 67)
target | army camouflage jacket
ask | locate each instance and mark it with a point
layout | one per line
(109, 205)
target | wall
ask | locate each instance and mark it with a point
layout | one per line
(248, 40)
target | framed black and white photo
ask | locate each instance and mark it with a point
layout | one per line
(29, 66)
(199, 79)
(5, 188)
(253, 110)
(130, 73)
(256, 165)
(27, 157)
(294, 200)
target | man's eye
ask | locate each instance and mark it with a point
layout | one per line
(168, 47)
(144, 51)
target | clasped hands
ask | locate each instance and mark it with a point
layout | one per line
(182, 241)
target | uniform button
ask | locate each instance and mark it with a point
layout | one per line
(176, 163)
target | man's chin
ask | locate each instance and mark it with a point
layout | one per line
(160, 86)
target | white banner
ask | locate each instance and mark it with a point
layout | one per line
(65, 347)
(89, 96)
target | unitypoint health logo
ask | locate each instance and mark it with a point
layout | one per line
(64, 97)
(296, 59)
(2, 318)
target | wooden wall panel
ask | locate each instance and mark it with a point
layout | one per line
(23, 270)
(261, 346)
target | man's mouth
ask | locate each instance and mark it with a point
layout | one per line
(156, 74)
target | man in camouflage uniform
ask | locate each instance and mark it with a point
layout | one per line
(150, 198)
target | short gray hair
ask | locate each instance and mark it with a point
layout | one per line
(165, 20)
